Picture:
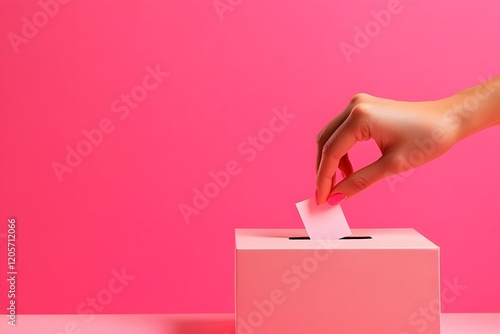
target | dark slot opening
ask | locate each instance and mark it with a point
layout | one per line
(349, 237)
(356, 237)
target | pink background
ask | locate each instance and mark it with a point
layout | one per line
(119, 208)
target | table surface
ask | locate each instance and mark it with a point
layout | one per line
(452, 323)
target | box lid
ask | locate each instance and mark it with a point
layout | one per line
(382, 238)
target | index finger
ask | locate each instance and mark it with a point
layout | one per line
(327, 132)
(339, 143)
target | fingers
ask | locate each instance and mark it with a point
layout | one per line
(353, 129)
(365, 177)
(345, 165)
(327, 132)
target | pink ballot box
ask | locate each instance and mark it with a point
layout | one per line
(388, 284)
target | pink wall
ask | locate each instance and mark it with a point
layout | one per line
(218, 81)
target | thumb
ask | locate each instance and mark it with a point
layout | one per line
(362, 179)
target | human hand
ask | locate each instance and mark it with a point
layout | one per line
(408, 134)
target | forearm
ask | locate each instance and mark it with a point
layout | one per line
(476, 108)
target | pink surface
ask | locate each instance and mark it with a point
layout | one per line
(168, 112)
(201, 324)
(337, 286)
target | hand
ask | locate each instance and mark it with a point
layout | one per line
(408, 134)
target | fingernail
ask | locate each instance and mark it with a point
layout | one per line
(336, 198)
(316, 197)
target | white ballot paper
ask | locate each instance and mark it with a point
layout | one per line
(323, 221)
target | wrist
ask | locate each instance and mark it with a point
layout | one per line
(474, 109)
